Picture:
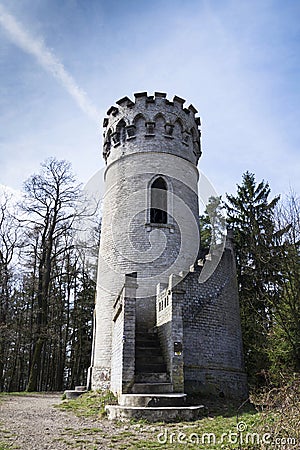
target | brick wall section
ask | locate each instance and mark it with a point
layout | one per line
(128, 361)
(212, 326)
(117, 343)
(212, 341)
(127, 244)
(170, 330)
(154, 258)
(123, 340)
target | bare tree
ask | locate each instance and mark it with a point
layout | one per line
(9, 245)
(286, 334)
(51, 204)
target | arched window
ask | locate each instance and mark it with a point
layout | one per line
(121, 130)
(159, 206)
(118, 137)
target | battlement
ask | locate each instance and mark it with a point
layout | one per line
(142, 98)
(152, 117)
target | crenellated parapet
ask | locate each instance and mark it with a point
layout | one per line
(152, 123)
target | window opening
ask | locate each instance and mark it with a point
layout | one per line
(158, 210)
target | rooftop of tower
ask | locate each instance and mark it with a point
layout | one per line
(159, 98)
(155, 123)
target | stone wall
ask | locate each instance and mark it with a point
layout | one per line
(130, 242)
(142, 140)
(211, 331)
(199, 327)
(128, 357)
(117, 343)
(123, 338)
(170, 331)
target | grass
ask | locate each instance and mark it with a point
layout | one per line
(4, 446)
(273, 416)
(225, 426)
(21, 394)
(91, 404)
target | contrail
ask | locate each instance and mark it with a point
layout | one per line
(36, 47)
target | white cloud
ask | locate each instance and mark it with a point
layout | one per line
(36, 47)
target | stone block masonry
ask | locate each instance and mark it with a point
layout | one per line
(123, 341)
(153, 232)
(211, 333)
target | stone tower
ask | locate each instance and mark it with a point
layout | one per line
(149, 266)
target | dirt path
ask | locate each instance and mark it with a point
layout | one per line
(32, 422)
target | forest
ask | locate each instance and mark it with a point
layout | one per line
(48, 260)
(48, 246)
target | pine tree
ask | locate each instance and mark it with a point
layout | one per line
(213, 223)
(251, 214)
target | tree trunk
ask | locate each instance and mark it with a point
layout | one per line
(35, 366)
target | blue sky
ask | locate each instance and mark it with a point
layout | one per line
(65, 62)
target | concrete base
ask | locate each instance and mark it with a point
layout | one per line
(155, 400)
(152, 388)
(74, 393)
(155, 414)
(166, 407)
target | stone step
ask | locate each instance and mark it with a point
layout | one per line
(146, 341)
(148, 351)
(150, 377)
(145, 360)
(152, 400)
(150, 367)
(80, 388)
(72, 393)
(139, 331)
(152, 388)
(149, 357)
(155, 414)
(140, 328)
(146, 335)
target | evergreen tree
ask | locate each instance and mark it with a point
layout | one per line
(251, 215)
(213, 223)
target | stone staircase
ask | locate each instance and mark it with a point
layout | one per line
(151, 374)
(152, 396)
